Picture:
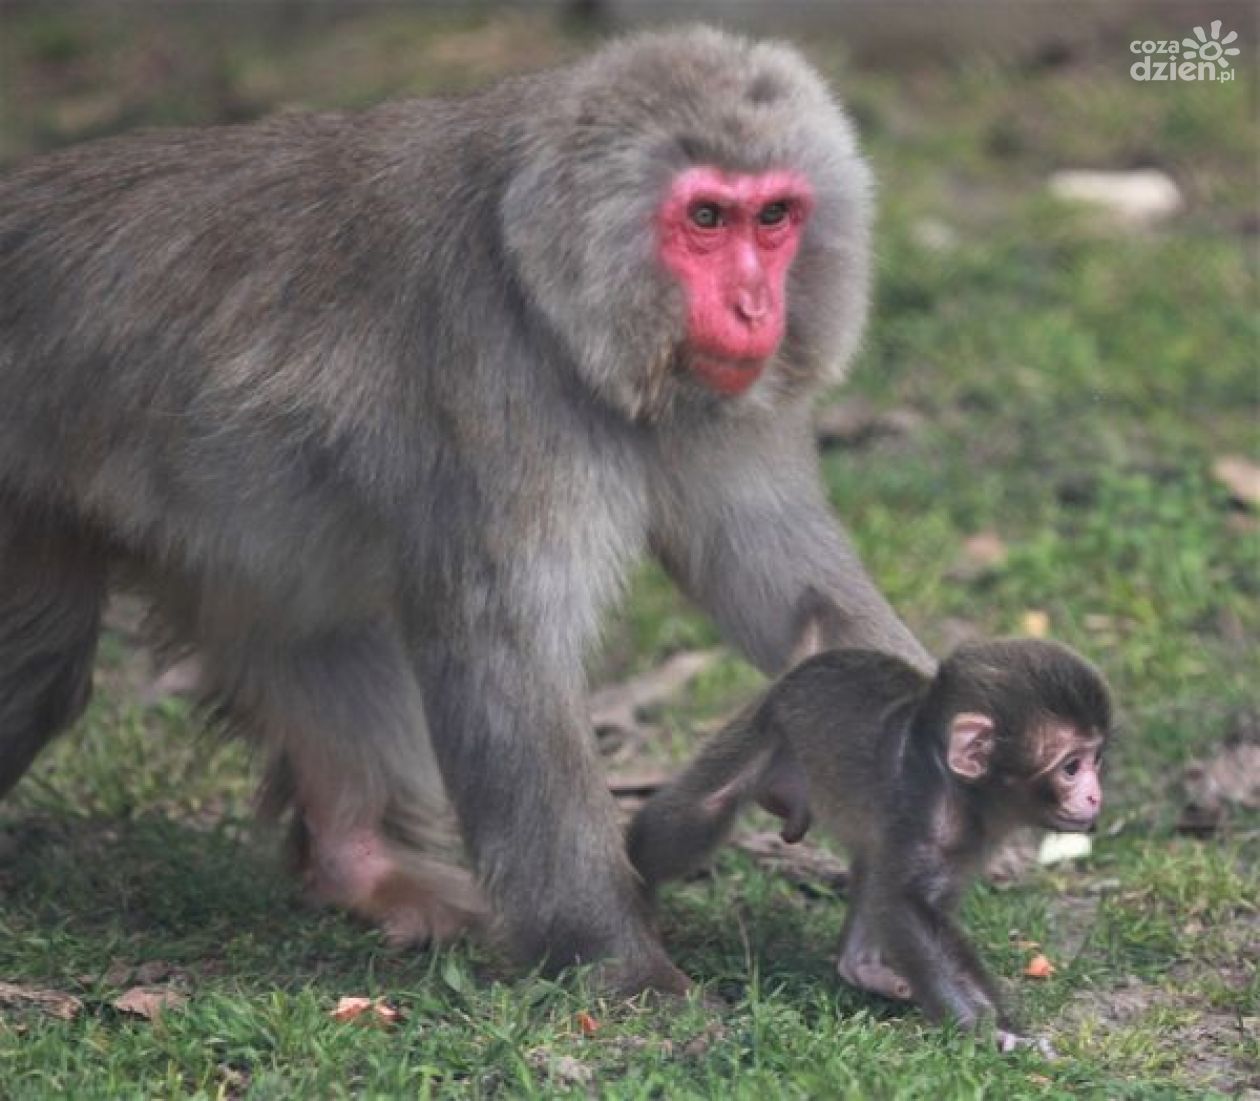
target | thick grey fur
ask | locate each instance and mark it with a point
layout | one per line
(380, 408)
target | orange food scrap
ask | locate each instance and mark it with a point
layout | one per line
(1039, 967)
(588, 1024)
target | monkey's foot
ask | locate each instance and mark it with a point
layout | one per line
(869, 972)
(411, 909)
(631, 978)
(414, 898)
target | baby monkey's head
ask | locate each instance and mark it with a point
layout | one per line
(1027, 721)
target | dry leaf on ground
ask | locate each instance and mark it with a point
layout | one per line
(53, 1002)
(982, 554)
(153, 971)
(1241, 477)
(149, 1002)
(371, 1011)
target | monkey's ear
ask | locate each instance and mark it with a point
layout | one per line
(971, 741)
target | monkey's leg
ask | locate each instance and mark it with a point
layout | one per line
(861, 960)
(673, 834)
(679, 828)
(946, 975)
(411, 892)
(512, 739)
(52, 587)
(372, 829)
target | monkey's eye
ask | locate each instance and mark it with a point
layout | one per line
(773, 214)
(1072, 766)
(706, 215)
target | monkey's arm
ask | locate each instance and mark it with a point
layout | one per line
(742, 523)
(681, 825)
(533, 807)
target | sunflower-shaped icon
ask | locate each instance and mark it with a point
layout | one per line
(1215, 49)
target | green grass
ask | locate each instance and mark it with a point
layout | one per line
(1075, 385)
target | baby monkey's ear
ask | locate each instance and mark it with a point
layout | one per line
(971, 741)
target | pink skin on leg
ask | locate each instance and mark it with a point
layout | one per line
(413, 897)
(348, 867)
(414, 903)
(729, 239)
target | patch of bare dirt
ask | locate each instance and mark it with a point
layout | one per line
(1211, 1042)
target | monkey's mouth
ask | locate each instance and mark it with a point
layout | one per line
(727, 376)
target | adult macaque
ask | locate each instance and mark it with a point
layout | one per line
(918, 778)
(380, 408)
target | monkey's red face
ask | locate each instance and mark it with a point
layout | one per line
(1072, 783)
(729, 240)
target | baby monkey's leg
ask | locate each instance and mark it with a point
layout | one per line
(861, 961)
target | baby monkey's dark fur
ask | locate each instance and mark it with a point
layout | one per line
(918, 777)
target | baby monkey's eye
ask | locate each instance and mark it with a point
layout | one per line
(706, 215)
(773, 214)
(1072, 766)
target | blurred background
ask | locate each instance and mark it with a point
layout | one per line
(1053, 428)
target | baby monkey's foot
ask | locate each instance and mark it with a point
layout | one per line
(867, 971)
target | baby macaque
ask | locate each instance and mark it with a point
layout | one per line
(919, 777)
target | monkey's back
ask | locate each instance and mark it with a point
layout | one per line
(180, 266)
(845, 713)
(208, 334)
